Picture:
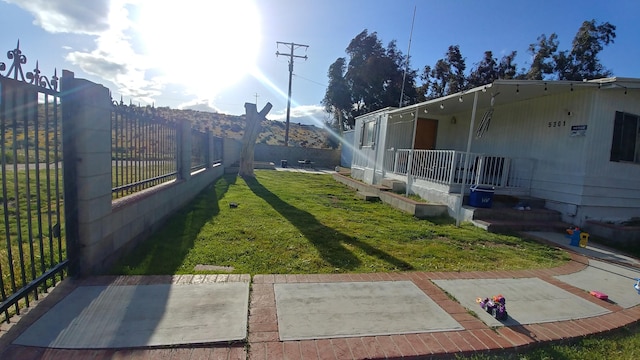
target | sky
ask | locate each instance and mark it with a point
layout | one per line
(217, 55)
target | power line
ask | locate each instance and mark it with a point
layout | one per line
(292, 47)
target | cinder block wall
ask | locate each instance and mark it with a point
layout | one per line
(324, 158)
(98, 230)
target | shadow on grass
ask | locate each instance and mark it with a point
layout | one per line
(166, 249)
(328, 241)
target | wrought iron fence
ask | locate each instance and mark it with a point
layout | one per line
(199, 150)
(144, 149)
(32, 244)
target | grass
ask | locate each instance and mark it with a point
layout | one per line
(620, 345)
(288, 222)
(300, 223)
(29, 223)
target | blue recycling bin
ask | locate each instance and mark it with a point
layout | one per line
(481, 196)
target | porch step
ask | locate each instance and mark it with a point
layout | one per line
(511, 214)
(394, 185)
(368, 196)
(511, 226)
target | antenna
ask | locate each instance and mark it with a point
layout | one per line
(406, 63)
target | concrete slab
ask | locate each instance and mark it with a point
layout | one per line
(592, 250)
(94, 317)
(528, 300)
(614, 280)
(348, 309)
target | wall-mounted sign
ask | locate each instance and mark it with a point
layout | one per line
(578, 130)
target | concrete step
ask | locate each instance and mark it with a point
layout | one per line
(511, 226)
(507, 213)
(367, 196)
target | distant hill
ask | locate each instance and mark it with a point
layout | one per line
(232, 126)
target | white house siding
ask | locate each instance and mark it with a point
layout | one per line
(367, 160)
(611, 189)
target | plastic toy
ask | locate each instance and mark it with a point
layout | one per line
(494, 306)
(637, 286)
(599, 295)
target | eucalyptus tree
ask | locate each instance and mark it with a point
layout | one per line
(371, 79)
(446, 76)
(582, 61)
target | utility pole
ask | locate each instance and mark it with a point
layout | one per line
(291, 55)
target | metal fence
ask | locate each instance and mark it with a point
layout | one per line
(32, 242)
(144, 149)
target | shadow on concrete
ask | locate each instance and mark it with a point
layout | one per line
(328, 241)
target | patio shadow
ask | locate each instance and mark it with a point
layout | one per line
(328, 241)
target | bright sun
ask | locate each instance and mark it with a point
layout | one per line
(206, 45)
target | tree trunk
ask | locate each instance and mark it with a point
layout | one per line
(251, 132)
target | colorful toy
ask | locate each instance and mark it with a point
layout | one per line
(494, 306)
(637, 286)
(599, 295)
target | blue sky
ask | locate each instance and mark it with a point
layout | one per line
(216, 55)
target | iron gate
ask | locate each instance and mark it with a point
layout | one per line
(32, 244)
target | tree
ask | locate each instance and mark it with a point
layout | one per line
(337, 98)
(446, 77)
(582, 61)
(251, 132)
(542, 53)
(490, 69)
(373, 79)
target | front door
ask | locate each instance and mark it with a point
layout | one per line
(426, 131)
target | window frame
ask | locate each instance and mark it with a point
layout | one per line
(625, 144)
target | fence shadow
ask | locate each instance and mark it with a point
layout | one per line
(170, 244)
(328, 241)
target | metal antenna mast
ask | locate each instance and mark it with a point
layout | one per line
(291, 55)
(406, 63)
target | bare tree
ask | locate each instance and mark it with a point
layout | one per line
(251, 132)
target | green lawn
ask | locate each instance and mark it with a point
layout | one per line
(289, 222)
(295, 223)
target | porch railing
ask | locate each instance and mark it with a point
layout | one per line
(450, 167)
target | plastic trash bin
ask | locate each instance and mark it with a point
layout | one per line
(481, 196)
(283, 163)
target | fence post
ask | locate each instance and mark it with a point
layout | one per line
(86, 131)
(184, 150)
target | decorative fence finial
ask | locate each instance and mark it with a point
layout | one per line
(33, 77)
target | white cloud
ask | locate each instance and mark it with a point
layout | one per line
(199, 105)
(303, 114)
(63, 16)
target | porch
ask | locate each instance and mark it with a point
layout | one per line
(447, 170)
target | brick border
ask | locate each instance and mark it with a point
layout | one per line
(263, 337)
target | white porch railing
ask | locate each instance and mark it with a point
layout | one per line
(447, 167)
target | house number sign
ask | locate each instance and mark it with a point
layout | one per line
(558, 123)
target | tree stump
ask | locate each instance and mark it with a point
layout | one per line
(251, 132)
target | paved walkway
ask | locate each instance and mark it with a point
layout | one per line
(458, 332)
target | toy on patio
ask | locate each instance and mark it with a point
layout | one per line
(494, 306)
(600, 295)
(577, 237)
(637, 286)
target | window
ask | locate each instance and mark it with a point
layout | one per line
(626, 138)
(368, 135)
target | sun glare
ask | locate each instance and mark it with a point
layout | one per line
(202, 44)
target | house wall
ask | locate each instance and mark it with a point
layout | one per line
(611, 190)
(573, 173)
(367, 160)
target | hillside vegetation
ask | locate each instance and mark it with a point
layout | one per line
(232, 126)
